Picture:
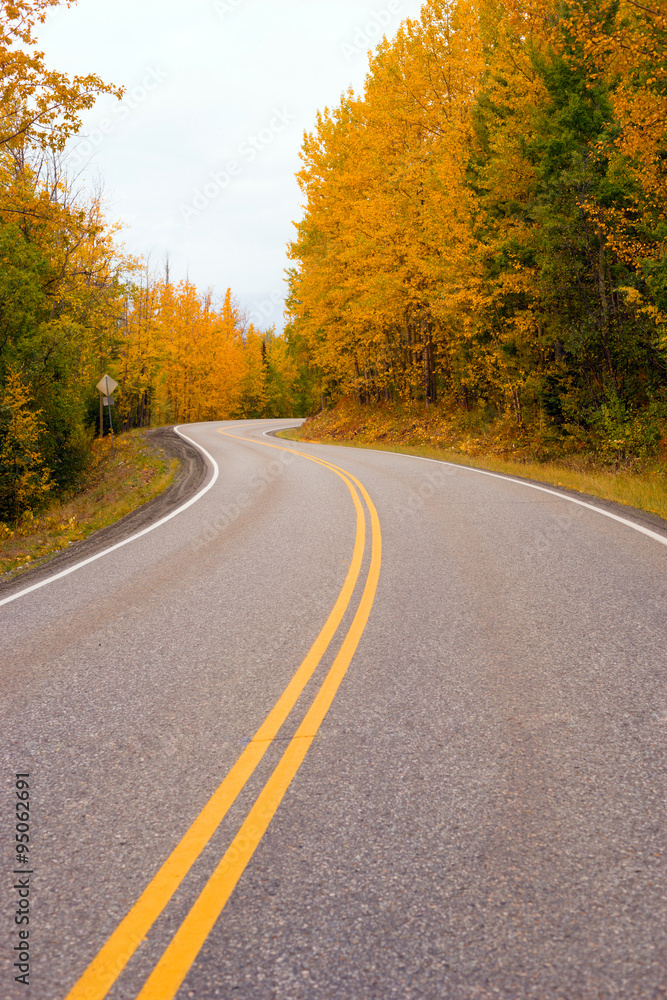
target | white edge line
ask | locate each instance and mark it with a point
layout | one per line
(521, 482)
(555, 493)
(126, 541)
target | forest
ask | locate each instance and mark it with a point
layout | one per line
(74, 304)
(484, 228)
(483, 233)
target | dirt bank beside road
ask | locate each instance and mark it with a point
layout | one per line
(190, 475)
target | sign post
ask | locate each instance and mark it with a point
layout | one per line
(107, 386)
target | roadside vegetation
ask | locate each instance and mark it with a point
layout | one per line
(481, 266)
(484, 234)
(75, 305)
(113, 487)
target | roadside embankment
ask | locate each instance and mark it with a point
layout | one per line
(152, 473)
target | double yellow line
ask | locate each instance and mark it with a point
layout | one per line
(173, 966)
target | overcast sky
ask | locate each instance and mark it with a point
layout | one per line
(199, 159)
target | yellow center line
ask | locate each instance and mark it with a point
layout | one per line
(114, 955)
(168, 975)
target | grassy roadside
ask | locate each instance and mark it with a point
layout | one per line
(113, 488)
(643, 485)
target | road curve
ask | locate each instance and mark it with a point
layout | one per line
(351, 725)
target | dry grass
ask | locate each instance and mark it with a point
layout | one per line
(642, 485)
(114, 487)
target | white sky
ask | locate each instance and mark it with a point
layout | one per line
(212, 83)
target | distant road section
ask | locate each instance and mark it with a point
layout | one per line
(349, 725)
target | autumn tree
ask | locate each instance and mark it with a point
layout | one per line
(38, 105)
(24, 477)
(485, 223)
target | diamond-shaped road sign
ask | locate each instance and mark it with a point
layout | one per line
(107, 385)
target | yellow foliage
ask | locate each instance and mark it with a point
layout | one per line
(37, 104)
(183, 360)
(24, 480)
(425, 249)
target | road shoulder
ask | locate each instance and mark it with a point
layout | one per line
(189, 478)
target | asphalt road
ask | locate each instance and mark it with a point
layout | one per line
(465, 801)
